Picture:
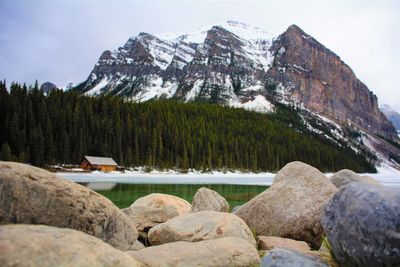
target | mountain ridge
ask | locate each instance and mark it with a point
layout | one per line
(241, 66)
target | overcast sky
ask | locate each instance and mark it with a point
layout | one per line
(61, 40)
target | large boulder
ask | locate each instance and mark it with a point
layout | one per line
(157, 200)
(345, 176)
(207, 199)
(40, 245)
(153, 209)
(227, 251)
(200, 226)
(292, 206)
(362, 224)
(29, 195)
(271, 242)
(290, 258)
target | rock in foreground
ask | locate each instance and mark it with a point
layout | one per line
(207, 199)
(362, 223)
(345, 176)
(227, 251)
(203, 225)
(157, 200)
(290, 258)
(292, 206)
(31, 195)
(272, 242)
(40, 245)
(153, 209)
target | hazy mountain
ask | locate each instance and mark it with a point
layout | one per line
(392, 115)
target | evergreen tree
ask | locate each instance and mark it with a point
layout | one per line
(64, 126)
(5, 153)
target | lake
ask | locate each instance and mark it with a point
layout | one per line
(237, 188)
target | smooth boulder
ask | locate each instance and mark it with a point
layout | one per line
(292, 206)
(30, 195)
(362, 224)
(40, 245)
(203, 225)
(153, 209)
(227, 251)
(207, 199)
(345, 176)
(289, 258)
(272, 242)
(157, 200)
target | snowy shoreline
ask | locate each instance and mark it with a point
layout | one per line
(386, 175)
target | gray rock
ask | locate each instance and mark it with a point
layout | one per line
(234, 209)
(292, 206)
(362, 224)
(345, 176)
(198, 226)
(207, 199)
(290, 258)
(48, 246)
(30, 195)
(227, 251)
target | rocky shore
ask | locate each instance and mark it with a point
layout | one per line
(303, 219)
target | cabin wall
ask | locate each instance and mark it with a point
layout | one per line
(105, 168)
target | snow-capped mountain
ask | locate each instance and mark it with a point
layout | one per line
(241, 66)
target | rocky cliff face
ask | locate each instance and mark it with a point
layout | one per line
(314, 76)
(241, 66)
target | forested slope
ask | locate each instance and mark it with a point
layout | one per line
(64, 126)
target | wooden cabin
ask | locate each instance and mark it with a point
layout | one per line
(98, 163)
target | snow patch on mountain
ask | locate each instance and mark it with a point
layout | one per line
(97, 89)
(156, 88)
(259, 104)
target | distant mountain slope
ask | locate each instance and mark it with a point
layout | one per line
(392, 115)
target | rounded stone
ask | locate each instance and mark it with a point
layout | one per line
(48, 246)
(362, 224)
(30, 195)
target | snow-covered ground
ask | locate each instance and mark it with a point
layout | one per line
(386, 175)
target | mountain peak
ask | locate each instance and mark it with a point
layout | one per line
(234, 63)
(294, 29)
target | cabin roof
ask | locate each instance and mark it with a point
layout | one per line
(100, 161)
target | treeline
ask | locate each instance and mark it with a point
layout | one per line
(63, 126)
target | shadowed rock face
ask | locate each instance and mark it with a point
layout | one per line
(29, 195)
(362, 224)
(230, 64)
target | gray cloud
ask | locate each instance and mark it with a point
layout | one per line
(60, 40)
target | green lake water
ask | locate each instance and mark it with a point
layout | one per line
(123, 195)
